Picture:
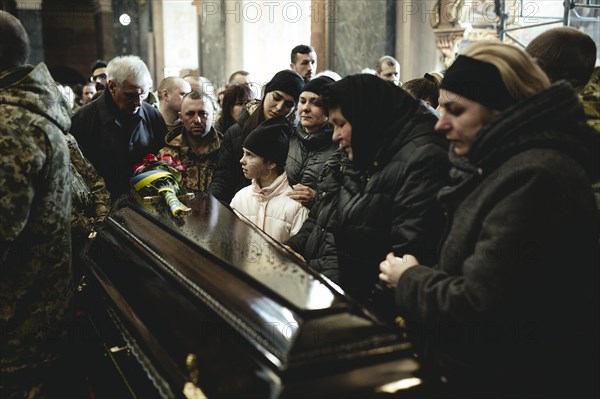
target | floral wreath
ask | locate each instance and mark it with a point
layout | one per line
(162, 177)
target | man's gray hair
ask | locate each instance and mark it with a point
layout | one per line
(129, 68)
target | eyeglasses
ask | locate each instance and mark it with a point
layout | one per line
(100, 76)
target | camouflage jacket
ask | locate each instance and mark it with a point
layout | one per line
(199, 166)
(35, 216)
(91, 199)
(590, 98)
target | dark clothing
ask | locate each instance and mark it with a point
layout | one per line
(228, 177)
(91, 200)
(514, 296)
(307, 155)
(270, 140)
(35, 233)
(114, 143)
(387, 200)
(315, 240)
(218, 125)
(309, 163)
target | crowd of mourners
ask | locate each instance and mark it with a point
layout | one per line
(464, 201)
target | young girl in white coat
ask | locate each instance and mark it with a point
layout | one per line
(265, 202)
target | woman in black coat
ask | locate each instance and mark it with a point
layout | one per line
(387, 198)
(511, 309)
(315, 243)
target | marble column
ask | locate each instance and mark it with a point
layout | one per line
(234, 39)
(158, 43)
(318, 33)
(127, 37)
(212, 41)
(144, 33)
(104, 30)
(363, 31)
(29, 13)
(415, 41)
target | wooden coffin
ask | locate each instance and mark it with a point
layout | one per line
(208, 305)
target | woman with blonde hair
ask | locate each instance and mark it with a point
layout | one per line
(513, 299)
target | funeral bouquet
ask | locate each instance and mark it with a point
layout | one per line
(162, 178)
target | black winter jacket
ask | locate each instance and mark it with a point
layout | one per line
(315, 240)
(514, 296)
(388, 199)
(228, 177)
(392, 208)
(307, 155)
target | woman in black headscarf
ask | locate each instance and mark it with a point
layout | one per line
(397, 165)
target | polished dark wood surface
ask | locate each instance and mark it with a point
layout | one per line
(259, 322)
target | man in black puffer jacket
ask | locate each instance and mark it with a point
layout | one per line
(387, 200)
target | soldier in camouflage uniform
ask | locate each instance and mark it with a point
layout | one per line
(35, 216)
(195, 143)
(91, 203)
(91, 199)
(590, 98)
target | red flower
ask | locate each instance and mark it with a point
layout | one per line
(167, 158)
(147, 159)
(164, 162)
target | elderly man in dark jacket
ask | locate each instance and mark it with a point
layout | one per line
(119, 129)
(387, 199)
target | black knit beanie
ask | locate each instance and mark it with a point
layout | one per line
(316, 85)
(270, 140)
(288, 82)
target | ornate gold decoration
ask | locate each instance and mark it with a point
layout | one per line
(191, 389)
(477, 35)
(480, 23)
(446, 12)
(447, 41)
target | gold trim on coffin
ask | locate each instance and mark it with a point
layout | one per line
(191, 389)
